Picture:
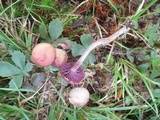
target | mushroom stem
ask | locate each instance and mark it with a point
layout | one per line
(102, 41)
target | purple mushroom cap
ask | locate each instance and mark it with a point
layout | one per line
(72, 77)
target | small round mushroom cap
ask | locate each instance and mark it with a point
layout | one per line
(79, 96)
(61, 58)
(43, 54)
(72, 77)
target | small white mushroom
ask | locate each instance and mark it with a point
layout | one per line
(79, 96)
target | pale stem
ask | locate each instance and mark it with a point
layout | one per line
(102, 41)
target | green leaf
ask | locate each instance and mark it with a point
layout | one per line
(43, 31)
(155, 58)
(155, 62)
(7, 69)
(55, 28)
(12, 48)
(135, 22)
(86, 40)
(152, 34)
(19, 59)
(128, 100)
(153, 54)
(77, 49)
(28, 67)
(156, 93)
(91, 58)
(143, 57)
(143, 67)
(130, 57)
(154, 74)
(16, 82)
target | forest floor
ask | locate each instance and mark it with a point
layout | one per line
(123, 77)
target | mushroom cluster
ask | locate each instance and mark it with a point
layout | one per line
(44, 54)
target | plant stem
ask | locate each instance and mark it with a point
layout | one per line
(102, 41)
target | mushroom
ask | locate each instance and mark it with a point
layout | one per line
(79, 96)
(43, 54)
(73, 72)
(72, 77)
(61, 58)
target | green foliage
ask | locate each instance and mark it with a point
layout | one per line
(16, 81)
(154, 73)
(8, 69)
(46, 2)
(55, 28)
(157, 10)
(19, 59)
(8, 7)
(152, 35)
(78, 49)
(86, 40)
(43, 31)
(113, 6)
(11, 111)
(52, 32)
(149, 60)
(7, 40)
(156, 93)
(103, 104)
(141, 11)
(17, 70)
(143, 67)
(155, 58)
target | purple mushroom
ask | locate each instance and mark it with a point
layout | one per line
(72, 77)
